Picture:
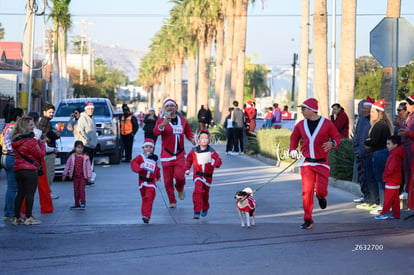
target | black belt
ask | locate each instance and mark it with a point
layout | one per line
(315, 160)
(50, 153)
(206, 175)
(146, 179)
(176, 154)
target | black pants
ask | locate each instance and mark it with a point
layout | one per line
(230, 140)
(90, 152)
(151, 136)
(26, 188)
(238, 138)
(128, 141)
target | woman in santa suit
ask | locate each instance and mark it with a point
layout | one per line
(172, 128)
(318, 136)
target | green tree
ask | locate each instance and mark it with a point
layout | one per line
(255, 84)
(369, 84)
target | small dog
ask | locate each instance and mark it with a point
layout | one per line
(246, 204)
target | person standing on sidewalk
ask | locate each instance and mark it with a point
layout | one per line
(340, 120)
(129, 127)
(238, 120)
(51, 136)
(149, 121)
(172, 128)
(318, 136)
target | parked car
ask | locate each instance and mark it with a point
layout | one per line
(107, 128)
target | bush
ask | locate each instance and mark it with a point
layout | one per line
(218, 133)
(341, 160)
(274, 143)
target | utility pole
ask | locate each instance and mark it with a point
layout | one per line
(292, 101)
(26, 91)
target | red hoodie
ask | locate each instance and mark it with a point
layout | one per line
(393, 168)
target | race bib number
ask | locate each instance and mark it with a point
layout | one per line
(149, 165)
(204, 158)
(177, 129)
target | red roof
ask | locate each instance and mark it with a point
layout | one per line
(12, 49)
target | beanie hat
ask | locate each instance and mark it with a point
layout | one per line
(369, 101)
(411, 99)
(89, 105)
(379, 105)
(311, 104)
(125, 107)
(148, 141)
(169, 101)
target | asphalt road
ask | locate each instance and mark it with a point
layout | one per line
(110, 238)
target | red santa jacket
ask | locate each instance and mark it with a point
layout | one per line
(29, 147)
(393, 168)
(147, 169)
(203, 163)
(172, 137)
(311, 148)
(341, 123)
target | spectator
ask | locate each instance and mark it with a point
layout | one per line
(250, 113)
(285, 113)
(268, 117)
(129, 127)
(51, 136)
(149, 121)
(276, 117)
(340, 120)
(238, 120)
(73, 122)
(318, 135)
(141, 117)
(204, 117)
(29, 153)
(8, 110)
(401, 117)
(228, 125)
(172, 128)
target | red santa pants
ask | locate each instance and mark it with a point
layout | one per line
(171, 170)
(391, 200)
(79, 189)
(201, 196)
(148, 196)
(313, 177)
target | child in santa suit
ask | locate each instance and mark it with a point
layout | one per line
(392, 177)
(149, 172)
(172, 128)
(204, 159)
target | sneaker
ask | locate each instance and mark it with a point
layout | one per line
(404, 196)
(360, 200)
(322, 203)
(196, 215)
(32, 221)
(172, 205)
(75, 207)
(82, 206)
(382, 217)
(145, 219)
(53, 196)
(204, 213)
(181, 195)
(241, 153)
(7, 219)
(17, 221)
(306, 225)
(376, 211)
(391, 216)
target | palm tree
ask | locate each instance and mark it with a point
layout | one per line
(304, 55)
(347, 59)
(320, 25)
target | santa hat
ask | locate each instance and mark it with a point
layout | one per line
(249, 103)
(204, 131)
(169, 101)
(148, 141)
(369, 101)
(411, 99)
(89, 105)
(311, 104)
(379, 105)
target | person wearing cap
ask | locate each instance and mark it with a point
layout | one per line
(129, 127)
(87, 132)
(172, 128)
(340, 120)
(204, 159)
(318, 135)
(377, 154)
(149, 124)
(360, 135)
(148, 171)
(407, 137)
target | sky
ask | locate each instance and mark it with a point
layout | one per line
(273, 33)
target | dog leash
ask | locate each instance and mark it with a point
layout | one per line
(278, 174)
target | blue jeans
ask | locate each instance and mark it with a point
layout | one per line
(7, 162)
(371, 183)
(379, 159)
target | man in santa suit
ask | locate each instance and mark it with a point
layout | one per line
(250, 113)
(172, 128)
(318, 136)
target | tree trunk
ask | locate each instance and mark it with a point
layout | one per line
(191, 88)
(219, 87)
(179, 83)
(347, 60)
(241, 46)
(304, 56)
(320, 25)
(203, 72)
(156, 97)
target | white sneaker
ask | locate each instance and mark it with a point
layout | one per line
(53, 196)
(404, 196)
(32, 221)
(93, 177)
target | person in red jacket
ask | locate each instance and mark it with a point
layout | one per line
(29, 153)
(318, 136)
(340, 120)
(204, 159)
(149, 173)
(172, 128)
(392, 177)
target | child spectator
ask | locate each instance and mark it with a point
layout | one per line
(149, 172)
(78, 168)
(204, 159)
(268, 117)
(392, 177)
